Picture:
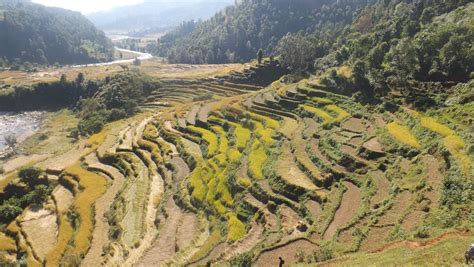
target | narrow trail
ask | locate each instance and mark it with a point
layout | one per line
(102, 206)
(420, 244)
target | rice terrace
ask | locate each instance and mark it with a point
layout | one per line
(260, 160)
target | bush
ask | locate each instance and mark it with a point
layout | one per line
(9, 212)
(30, 175)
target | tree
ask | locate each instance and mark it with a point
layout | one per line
(9, 212)
(80, 78)
(63, 79)
(30, 175)
(403, 61)
(137, 62)
(260, 56)
(297, 52)
(11, 141)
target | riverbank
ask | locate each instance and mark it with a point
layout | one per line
(20, 125)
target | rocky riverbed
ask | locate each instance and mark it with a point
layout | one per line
(21, 125)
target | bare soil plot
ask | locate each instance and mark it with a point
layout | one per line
(164, 247)
(289, 171)
(375, 238)
(22, 160)
(40, 227)
(287, 252)
(204, 111)
(354, 125)
(382, 184)
(374, 145)
(289, 218)
(288, 127)
(186, 230)
(412, 220)
(400, 203)
(63, 198)
(191, 116)
(315, 209)
(347, 210)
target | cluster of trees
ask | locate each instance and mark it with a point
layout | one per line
(394, 42)
(32, 187)
(117, 97)
(32, 33)
(96, 101)
(238, 32)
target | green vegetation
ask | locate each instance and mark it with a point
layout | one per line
(44, 35)
(402, 134)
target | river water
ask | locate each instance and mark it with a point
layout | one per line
(21, 125)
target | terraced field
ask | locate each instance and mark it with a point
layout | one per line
(218, 169)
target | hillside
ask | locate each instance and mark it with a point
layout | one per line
(45, 35)
(236, 33)
(351, 146)
(155, 16)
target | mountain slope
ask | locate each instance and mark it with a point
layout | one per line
(236, 34)
(157, 16)
(45, 35)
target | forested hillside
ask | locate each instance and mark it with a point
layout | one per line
(236, 33)
(37, 34)
(394, 40)
(155, 16)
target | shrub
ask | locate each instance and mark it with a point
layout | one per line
(9, 212)
(30, 175)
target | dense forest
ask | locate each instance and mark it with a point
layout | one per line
(384, 41)
(44, 35)
(238, 32)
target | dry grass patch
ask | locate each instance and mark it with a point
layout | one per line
(7, 244)
(402, 134)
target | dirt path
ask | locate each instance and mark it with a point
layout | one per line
(420, 244)
(100, 235)
(287, 252)
(348, 208)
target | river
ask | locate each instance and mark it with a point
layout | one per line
(21, 125)
(141, 56)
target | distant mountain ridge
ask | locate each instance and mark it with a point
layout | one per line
(35, 33)
(158, 15)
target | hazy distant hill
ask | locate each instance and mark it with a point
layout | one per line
(45, 35)
(156, 15)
